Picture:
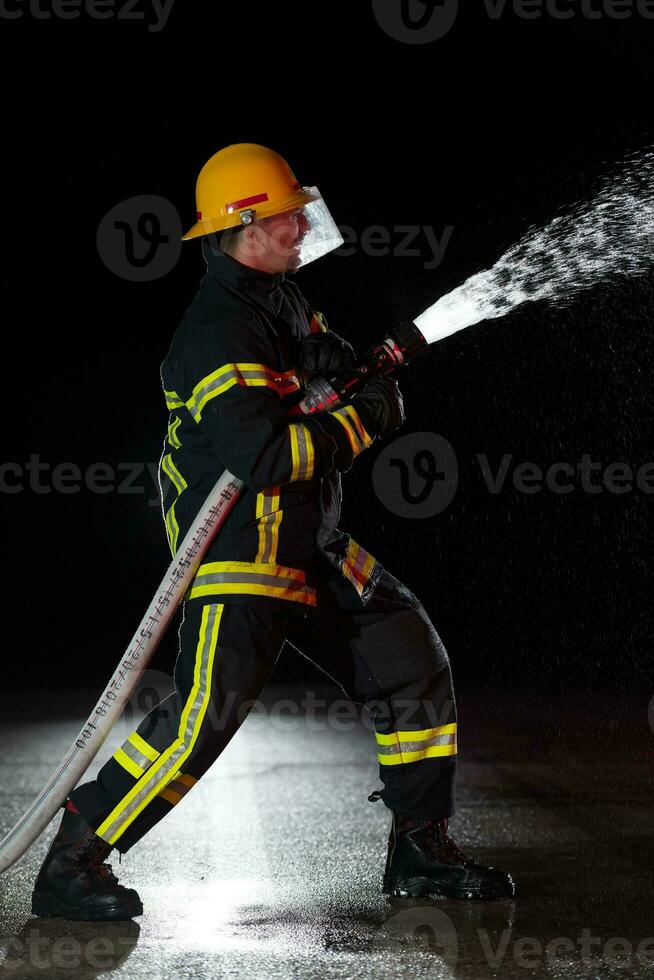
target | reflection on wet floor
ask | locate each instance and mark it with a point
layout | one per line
(272, 866)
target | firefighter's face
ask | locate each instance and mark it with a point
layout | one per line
(278, 240)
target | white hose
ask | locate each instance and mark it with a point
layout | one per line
(104, 716)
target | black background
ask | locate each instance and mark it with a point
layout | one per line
(491, 129)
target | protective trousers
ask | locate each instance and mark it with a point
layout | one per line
(385, 655)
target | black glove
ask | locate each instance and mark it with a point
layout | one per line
(325, 354)
(380, 406)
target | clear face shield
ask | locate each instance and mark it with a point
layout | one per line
(296, 237)
(319, 231)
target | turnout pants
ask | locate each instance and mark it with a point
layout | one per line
(386, 655)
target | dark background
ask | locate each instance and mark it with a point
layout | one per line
(491, 129)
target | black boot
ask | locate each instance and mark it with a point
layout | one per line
(423, 860)
(73, 882)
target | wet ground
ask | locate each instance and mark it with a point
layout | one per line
(272, 866)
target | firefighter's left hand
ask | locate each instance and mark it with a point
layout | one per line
(325, 354)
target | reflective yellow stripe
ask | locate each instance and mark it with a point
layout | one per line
(132, 767)
(295, 453)
(311, 456)
(318, 323)
(245, 374)
(252, 578)
(180, 484)
(409, 746)
(356, 433)
(355, 418)
(357, 565)
(135, 755)
(419, 736)
(171, 470)
(264, 568)
(172, 529)
(168, 765)
(269, 517)
(302, 452)
(274, 535)
(260, 513)
(173, 438)
(304, 595)
(139, 743)
(172, 400)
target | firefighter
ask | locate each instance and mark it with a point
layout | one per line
(279, 569)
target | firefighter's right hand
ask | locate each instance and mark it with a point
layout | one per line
(380, 406)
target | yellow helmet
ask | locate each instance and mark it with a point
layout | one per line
(241, 182)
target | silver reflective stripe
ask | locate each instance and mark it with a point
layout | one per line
(353, 566)
(265, 556)
(247, 374)
(173, 400)
(193, 404)
(266, 553)
(250, 578)
(136, 756)
(266, 511)
(404, 747)
(350, 426)
(148, 782)
(303, 452)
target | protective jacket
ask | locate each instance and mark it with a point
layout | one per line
(229, 378)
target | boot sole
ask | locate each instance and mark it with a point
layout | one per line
(50, 907)
(424, 888)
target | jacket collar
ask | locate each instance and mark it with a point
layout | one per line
(227, 269)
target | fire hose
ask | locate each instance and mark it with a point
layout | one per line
(320, 395)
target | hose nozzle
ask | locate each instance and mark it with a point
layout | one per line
(401, 345)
